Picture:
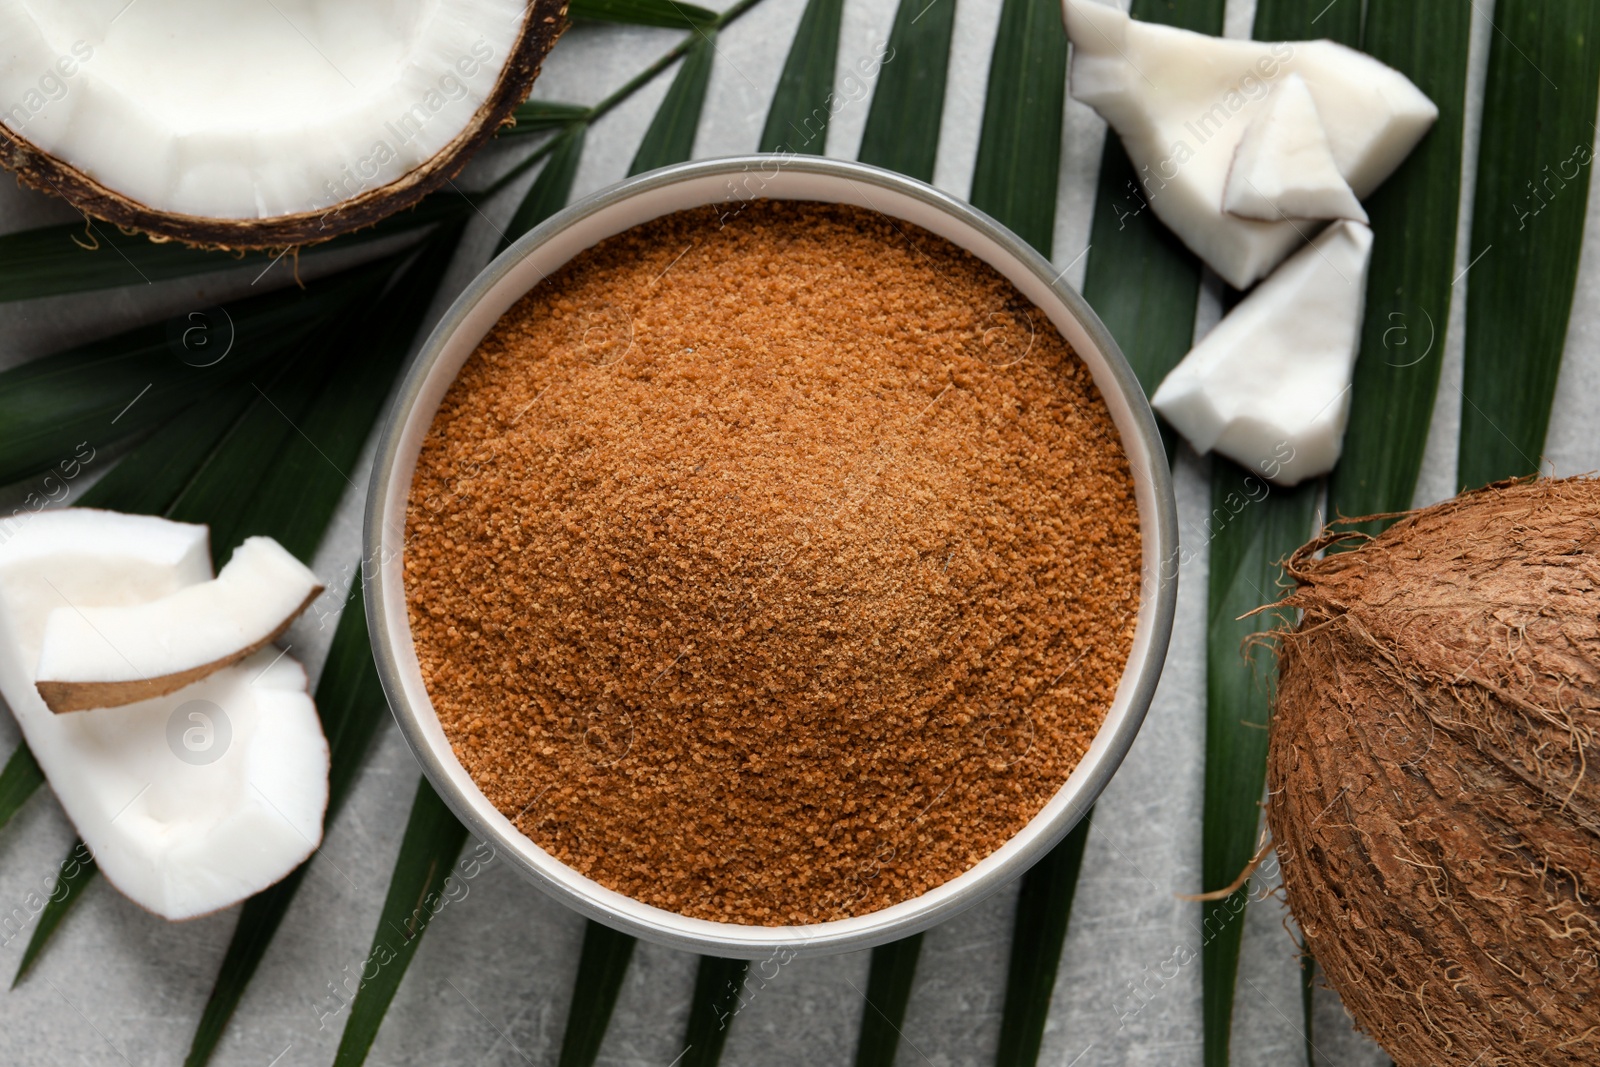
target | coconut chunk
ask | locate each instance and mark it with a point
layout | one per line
(1270, 386)
(1182, 101)
(1284, 167)
(98, 657)
(192, 801)
(258, 123)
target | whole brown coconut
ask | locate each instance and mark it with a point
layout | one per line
(1433, 796)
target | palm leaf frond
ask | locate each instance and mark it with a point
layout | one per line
(428, 851)
(1413, 263)
(78, 257)
(20, 779)
(717, 999)
(1018, 168)
(73, 876)
(602, 965)
(1044, 907)
(797, 120)
(668, 13)
(670, 137)
(1246, 549)
(154, 474)
(1534, 158)
(883, 1016)
(537, 116)
(902, 131)
(110, 389)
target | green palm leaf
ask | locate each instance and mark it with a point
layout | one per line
(1264, 525)
(1413, 263)
(153, 475)
(902, 131)
(894, 966)
(1289, 20)
(669, 13)
(551, 188)
(432, 841)
(218, 494)
(1019, 149)
(295, 497)
(718, 997)
(536, 116)
(602, 966)
(79, 257)
(670, 138)
(1044, 907)
(18, 781)
(73, 875)
(1534, 158)
(797, 120)
(113, 388)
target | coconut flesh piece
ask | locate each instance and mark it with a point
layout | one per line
(100, 657)
(258, 122)
(1182, 101)
(189, 802)
(1284, 167)
(1269, 387)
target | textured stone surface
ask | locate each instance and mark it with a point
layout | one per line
(491, 982)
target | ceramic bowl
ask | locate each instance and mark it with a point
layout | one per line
(731, 182)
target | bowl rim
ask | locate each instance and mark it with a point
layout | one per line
(1158, 587)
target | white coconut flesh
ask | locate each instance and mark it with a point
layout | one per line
(1182, 101)
(98, 657)
(192, 801)
(249, 109)
(1284, 167)
(1269, 387)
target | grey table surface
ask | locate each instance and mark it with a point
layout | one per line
(491, 982)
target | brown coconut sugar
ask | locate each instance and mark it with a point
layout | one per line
(772, 566)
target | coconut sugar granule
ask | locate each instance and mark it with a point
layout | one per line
(772, 565)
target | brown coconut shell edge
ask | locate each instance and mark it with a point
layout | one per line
(39, 170)
(1435, 811)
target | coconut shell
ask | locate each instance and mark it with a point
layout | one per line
(38, 169)
(1434, 787)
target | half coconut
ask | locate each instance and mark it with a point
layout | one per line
(258, 123)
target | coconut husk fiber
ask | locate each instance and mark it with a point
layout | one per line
(1433, 782)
